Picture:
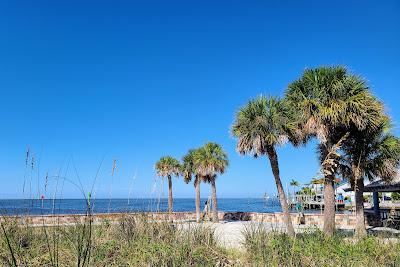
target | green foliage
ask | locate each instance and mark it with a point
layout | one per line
(396, 196)
(260, 126)
(167, 166)
(314, 248)
(330, 98)
(294, 183)
(263, 122)
(149, 243)
(331, 102)
(188, 168)
(134, 241)
(204, 163)
(372, 153)
(140, 241)
(306, 191)
(210, 160)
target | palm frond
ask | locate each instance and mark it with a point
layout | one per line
(167, 166)
(265, 122)
(374, 151)
(209, 161)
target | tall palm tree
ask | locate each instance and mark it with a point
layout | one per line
(260, 126)
(167, 167)
(369, 154)
(209, 161)
(330, 100)
(189, 172)
(294, 184)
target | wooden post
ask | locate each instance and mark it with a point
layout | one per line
(376, 204)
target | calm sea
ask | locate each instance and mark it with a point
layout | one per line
(78, 206)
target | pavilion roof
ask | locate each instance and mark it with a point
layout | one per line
(382, 186)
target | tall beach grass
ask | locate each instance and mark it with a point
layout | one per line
(313, 248)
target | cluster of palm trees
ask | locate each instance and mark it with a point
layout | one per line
(340, 111)
(326, 103)
(200, 165)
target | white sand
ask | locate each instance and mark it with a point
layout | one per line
(230, 234)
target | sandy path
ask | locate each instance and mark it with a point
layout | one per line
(230, 234)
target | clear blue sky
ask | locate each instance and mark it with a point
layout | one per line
(134, 81)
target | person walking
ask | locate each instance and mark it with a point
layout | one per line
(206, 209)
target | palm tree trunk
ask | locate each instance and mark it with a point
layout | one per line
(170, 200)
(360, 219)
(273, 159)
(329, 171)
(197, 186)
(214, 200)
(329, 205)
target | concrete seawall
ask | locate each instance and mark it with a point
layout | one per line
(343, 221)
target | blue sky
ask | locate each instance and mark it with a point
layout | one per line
(133, 81)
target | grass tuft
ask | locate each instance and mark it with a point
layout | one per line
(314, 248)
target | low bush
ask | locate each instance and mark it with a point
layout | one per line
(314, 248)
(140, 241)
(134, 241)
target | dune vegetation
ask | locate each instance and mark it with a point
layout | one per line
(138, 241)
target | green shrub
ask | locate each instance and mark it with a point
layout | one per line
(314, 248)
(139, 241)
(134, 241)
(395, 196)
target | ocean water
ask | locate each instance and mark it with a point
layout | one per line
(78, 206)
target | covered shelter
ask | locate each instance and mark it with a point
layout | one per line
(380, 186)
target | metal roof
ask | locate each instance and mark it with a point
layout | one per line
(382, 186)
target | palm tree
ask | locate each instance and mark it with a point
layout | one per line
(188, 172)
(167, 167)
(369, 154)
(330, 101)
(294, 184)
(260, 126)
(209, 161)
(307, 191)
